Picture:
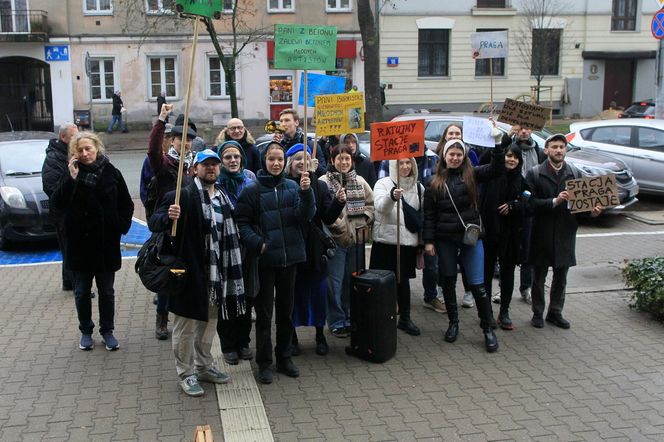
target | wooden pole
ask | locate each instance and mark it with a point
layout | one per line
(398, 272)
(304, 127)
(185, 125)
(491, 80)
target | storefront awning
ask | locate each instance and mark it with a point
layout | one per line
(614, 55)
(345, 49)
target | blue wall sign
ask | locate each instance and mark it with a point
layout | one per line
(392, 62)
(56, 53)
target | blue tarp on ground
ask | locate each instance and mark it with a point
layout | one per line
(47, 252)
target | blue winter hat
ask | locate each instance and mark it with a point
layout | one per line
(297, 148)
(205, 155)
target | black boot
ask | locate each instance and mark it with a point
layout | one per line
(449, 294)
(321, 343)
(483, 302)
(161, 327)
(295, 345)
(405, 323)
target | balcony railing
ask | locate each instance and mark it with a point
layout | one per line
(23, 25)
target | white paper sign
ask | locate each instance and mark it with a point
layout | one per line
(489, 44)
(477, 131)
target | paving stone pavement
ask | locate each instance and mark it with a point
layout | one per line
(602, 379)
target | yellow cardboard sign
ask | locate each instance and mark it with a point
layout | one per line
(338, 114)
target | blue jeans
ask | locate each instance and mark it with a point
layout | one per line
(451, 252)
(430, 277)
(339, 269)
(162, 303)
(105, 297)
(121, 125)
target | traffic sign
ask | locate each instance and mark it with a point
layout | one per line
(657, 25)
(56, 53)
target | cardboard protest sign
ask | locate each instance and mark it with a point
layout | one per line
(489, 44)
(339, 114)
(395, 140)
(477, 131)
(526, 115)
(305, 47)
(588, 192)
(204, 8)
(320, 84)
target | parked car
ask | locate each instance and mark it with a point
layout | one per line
(24, 207)
(639, 143)
(640, 109)
(591, 163)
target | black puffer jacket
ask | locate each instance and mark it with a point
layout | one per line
(54, 170)
(273, 211)
(441, 221)
(95, 218)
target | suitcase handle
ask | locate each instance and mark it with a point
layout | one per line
(361, 234)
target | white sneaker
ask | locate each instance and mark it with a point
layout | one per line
(496, 298)
(525, 296)
(468, 300)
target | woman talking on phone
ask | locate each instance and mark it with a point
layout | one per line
(98, 210)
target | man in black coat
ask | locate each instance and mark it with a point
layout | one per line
(553, 239)
(53, 172)
(207, 240)
(116, 114)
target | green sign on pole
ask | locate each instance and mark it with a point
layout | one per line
(305, 47)
(204, 8)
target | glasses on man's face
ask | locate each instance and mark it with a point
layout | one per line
(235, 128)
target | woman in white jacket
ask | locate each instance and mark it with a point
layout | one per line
(384, 248)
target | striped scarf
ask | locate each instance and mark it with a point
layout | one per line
(355, 196)
(225, 283)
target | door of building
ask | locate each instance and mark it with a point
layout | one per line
(25, 88)
(618, 82)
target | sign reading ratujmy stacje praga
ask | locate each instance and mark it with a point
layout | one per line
(305, 47)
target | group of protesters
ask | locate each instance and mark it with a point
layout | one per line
(250, 221)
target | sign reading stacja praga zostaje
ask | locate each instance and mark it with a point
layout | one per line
(305, 47)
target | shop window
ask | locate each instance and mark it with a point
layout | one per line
(281, 88)
(433, 52)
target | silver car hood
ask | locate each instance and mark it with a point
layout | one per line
(581, 157)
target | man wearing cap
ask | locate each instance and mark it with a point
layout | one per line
(164, 156)
(553, 239)
(236, 131)
(210, 243)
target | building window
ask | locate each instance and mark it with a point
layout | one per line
(483, 65)
(433, 48)
(159, 6)
(98, 7)
(623, 17)
(227, 6)
(280, 5)
(545, 52)
(337, 5)
(218, 81)
(163, 76)
(491, 3)
(102, 78)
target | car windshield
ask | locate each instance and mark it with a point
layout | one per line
(23, 157)
(640, 108)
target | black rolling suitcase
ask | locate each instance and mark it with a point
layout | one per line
(373, 315)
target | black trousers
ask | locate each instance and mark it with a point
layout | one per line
(67, 276)
(507, 269)
(557, 293)
(277, 288)
(234, 332)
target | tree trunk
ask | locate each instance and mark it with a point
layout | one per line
(371, 45)
(229, 68)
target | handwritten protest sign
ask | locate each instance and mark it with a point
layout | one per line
(339, 114)
(477, 131)
(489, 44)
(588, 192)
(305, 47)
(394, 140)
(526, 115)
(320, 84)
